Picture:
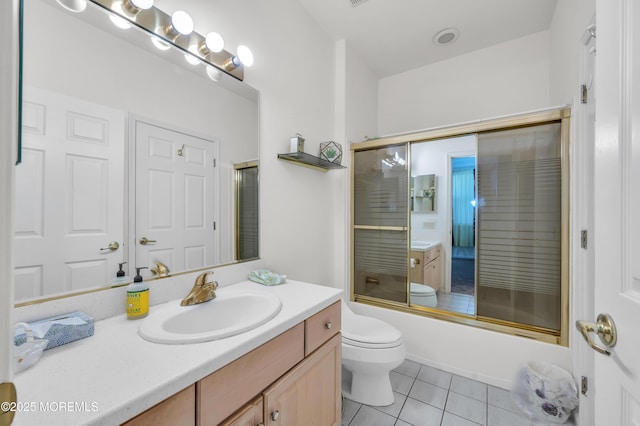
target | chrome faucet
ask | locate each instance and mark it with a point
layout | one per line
(201, 292)
(161, 270)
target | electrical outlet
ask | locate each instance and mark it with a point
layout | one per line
(429, 224)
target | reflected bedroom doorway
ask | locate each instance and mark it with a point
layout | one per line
(463, 235)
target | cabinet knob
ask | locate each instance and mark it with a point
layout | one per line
(275, 415)
(328, 325)
(260, 424)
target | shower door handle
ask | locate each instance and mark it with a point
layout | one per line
(604, 327)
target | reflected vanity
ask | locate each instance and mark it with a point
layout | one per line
(90, 164)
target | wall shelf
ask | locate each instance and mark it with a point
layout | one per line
(308, 160)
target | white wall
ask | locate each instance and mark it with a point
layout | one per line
(503, 79)
(294, 71)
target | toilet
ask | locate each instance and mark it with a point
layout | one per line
(423, 295)
(370, 350)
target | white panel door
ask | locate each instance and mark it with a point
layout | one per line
(69, 195)
(175, 198)
(617, 208)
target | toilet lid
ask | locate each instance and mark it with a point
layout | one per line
(421, 290)
(367, 332)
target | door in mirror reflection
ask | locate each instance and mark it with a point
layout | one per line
(175, 193)
(69, 195)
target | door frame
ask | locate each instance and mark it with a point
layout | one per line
(582, 259)
(9, 131)
(449, 255)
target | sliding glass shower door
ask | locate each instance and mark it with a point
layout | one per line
(380, 244)
(520, 230)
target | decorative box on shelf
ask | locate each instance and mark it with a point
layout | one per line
(330, 155)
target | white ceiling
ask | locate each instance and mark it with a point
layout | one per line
(393, 36)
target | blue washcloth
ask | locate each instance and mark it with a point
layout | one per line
(266, 277)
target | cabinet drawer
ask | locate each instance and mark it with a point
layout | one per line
(431, 254)
(178, 409)
(249, 415)
(321, 327)
(222, 393)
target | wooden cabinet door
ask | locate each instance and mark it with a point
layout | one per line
(250, 415)
(432, 274)
(416, 274)
(310, 393)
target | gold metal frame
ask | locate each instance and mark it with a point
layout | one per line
(236, 182)
(558, 115)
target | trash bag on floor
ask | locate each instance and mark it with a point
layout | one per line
(545, 392)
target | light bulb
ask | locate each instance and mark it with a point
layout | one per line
(73, 5)
(214, 42)
(117, 20)
(159, 43)
(245, 55)
(193, 60)
(213, 73)
(142, 4)
(182, 22)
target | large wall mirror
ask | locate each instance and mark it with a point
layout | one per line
(128, 156)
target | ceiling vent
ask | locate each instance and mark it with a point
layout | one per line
(355, 3)
(446, 37)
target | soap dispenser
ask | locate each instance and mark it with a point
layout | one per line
(120, 278)
(137, 297)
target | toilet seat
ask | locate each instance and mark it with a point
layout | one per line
(366, 332)
(421, 290)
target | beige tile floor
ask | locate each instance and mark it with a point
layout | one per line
(425, 396)
(455, 302)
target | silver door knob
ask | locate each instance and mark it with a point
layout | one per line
(275, 415)
(144, 241)
(604, 327)
(113, 246)
(328, 325)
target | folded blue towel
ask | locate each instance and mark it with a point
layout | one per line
(266, 277)
(59, 330)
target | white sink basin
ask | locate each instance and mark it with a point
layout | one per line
(230, 313)
(422, 245)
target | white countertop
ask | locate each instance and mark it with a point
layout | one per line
(114, 375)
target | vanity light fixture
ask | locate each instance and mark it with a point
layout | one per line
(73, 5)
(174, 30)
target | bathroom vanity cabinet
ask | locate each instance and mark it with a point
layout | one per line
(293, 379)
(427, 267)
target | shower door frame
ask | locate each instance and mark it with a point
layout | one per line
(552, 115)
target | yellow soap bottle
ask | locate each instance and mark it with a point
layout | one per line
(137, 297)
